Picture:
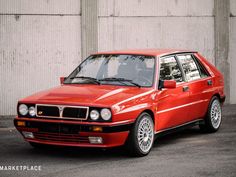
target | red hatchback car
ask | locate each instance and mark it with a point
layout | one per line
(125, 98)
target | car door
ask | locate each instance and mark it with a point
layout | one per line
(172, 109)
(199, 83)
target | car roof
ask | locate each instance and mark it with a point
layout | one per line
(151, 52)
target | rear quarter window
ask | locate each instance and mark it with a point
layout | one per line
(203, 71)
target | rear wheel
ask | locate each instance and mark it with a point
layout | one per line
(141, 136)
(213, 118)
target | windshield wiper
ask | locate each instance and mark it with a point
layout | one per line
(122, 80)
(88, 78)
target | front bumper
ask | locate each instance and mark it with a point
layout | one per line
(73, 133)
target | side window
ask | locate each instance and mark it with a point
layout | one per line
(169, 69)
(202, 69)
(189, 66)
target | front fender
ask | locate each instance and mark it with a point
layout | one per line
(133, 108)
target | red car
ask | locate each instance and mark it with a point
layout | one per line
(125, 98)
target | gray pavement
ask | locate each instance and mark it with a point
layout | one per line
(188, 153)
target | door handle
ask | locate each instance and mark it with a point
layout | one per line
(185, 88)
(209, 82)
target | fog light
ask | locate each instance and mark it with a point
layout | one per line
(28, 134)
(95, 140)
(20, 123)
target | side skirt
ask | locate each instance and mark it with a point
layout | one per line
(178, 128)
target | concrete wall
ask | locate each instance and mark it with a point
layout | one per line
(232, 51)
(42, 40)
(154, 24)
(39, 42)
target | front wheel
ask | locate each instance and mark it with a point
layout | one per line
(141, 136)
(213, 118)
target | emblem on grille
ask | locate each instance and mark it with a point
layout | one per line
(60, 110)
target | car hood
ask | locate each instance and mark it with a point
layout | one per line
(95, 95)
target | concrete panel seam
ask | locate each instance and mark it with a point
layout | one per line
(41, 14)
(190, 16)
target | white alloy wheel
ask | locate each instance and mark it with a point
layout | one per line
(145, 134)
(215, 114)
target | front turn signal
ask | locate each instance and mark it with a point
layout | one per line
(21, 123)
(96, 129)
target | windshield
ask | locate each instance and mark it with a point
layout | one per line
(131, 70)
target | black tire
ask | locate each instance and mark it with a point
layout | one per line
(212, 124)
(132, 144)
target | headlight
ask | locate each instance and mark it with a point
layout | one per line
(105, 114)
(23, 109)
(32, 111)
(94, 114)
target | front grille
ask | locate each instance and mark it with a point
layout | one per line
(52, 111)
(61, 137)
(74, 112)
(58, 127)
(60, 111)
(59, 132)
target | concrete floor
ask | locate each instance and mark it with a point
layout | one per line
(188, 153)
